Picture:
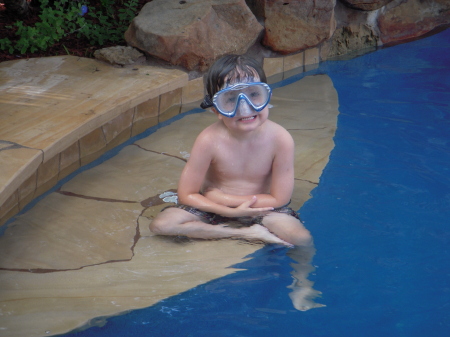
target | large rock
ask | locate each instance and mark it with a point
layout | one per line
(352, 38)
(194, 33)
(291, 26)
(118, 55)
(16, 7)
(405, 19)
(365, 5)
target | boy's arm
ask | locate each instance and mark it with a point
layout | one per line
(192, 179)
(282, 182)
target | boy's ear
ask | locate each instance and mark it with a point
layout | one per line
(216, 112)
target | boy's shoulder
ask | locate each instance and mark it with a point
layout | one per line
(210, 133)
(272, 131)
(277, 130)
(275, 125)
(212, 129)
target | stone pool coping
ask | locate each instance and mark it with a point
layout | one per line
(60, 113)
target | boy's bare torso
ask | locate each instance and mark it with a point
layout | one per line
(241, 166)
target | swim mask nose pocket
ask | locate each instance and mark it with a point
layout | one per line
(244, 109)
(242, 98)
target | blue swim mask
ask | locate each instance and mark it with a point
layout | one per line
(241, 99)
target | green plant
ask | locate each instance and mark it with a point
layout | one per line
(100, 25)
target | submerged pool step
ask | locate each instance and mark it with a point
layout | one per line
(59, 113)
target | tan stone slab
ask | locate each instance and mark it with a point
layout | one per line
(17, 164)
(308, 109)
(169, 113)
(178, 138)
(301, 193)
(193, 91)
(10, 207)
(69, 160)
(312, 56)
(143, 125)
(27, 190)
(149, 108)
(146, 116)
(273, 66)
(48, 103)
(114, 128)
(47, 173)
(92, 146)
(190, 106)
(35, 305)
(293, 61)
(66, 232)
(170, 99)
(134, 174)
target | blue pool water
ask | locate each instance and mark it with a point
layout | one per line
(380, 219)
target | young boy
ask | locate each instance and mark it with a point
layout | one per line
(239, 178)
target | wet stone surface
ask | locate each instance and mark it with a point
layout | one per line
(85, 250)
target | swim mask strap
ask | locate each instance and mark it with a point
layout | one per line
(207, 103)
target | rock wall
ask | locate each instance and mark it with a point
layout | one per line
(292, 26)
(194, 33)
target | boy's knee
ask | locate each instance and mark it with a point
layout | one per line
(166, 222)
(156, 226)
(304, 237)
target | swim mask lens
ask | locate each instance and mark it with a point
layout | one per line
(256, 94)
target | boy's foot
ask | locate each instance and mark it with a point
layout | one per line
(302, 298)
(261, 233)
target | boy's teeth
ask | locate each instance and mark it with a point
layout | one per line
(247, 118)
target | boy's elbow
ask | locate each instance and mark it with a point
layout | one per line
(181, 199)
(184, 199)
(282, 197)
(281, 201)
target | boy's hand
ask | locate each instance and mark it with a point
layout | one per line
(245, 209)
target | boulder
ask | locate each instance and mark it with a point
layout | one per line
(352, 38)
(194, 33)
(406, 19)
(17, 8)
(291, 26)
(365, 5)
(118, 55)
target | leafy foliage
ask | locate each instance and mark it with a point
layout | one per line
(100, 24)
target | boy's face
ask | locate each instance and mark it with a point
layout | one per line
(245, 116)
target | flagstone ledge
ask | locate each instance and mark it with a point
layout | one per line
(60, 113)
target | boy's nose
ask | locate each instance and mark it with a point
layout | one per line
(244, 109)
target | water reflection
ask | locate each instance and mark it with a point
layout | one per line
(303, 294)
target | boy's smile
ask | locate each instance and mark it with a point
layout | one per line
(245, 124)
(247, 119)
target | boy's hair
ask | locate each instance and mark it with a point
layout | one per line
(230, 68)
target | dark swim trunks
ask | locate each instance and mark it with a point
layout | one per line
(243, 221)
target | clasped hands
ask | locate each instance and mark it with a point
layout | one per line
(237, 207)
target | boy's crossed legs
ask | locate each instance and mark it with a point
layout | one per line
(280, 228)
